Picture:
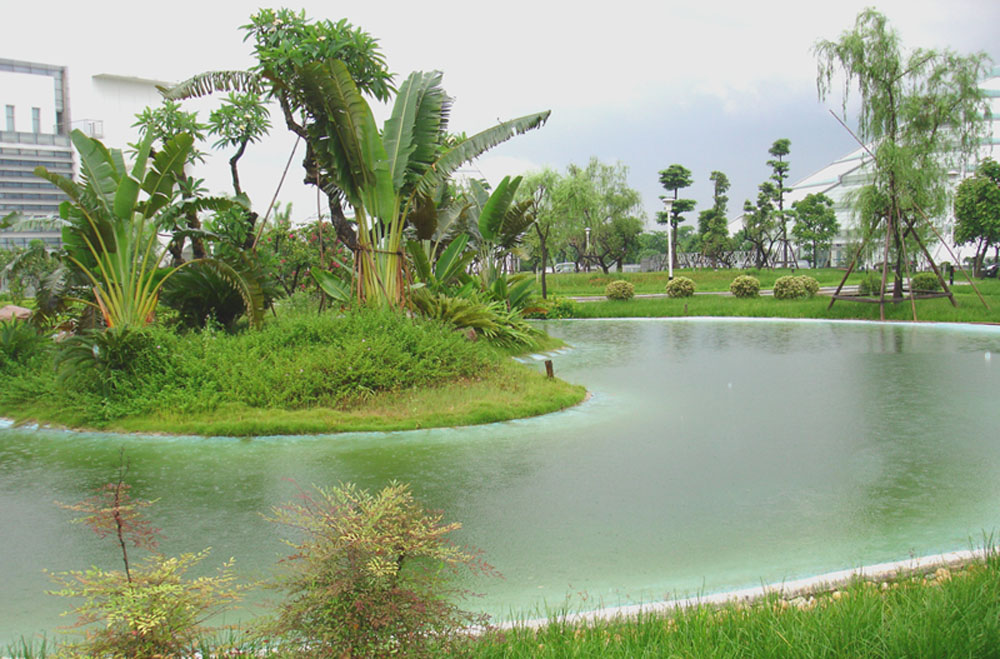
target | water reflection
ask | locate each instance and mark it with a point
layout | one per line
(713, 454)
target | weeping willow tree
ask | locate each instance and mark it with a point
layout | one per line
(920, 115)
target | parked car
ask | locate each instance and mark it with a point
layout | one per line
(565, 267)
(990, 270)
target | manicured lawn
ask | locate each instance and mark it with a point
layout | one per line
(969, 309)
(593, 283)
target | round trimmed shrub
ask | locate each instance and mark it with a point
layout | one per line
(788, 288)
(680, 287)
(619, 290)
(925, 281)
(871, 284)
(745, 286)
(810, 285)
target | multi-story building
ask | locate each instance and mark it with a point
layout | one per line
(34, 131)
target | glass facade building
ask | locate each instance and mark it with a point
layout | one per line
(36, 123)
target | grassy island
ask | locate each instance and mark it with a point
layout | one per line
(303, 372)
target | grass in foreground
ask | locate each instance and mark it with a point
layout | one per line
(944, 615)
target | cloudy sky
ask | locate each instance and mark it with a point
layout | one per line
(707, 84)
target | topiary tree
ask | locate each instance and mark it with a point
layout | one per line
(680, 287)
(619, 290)
(745, 286)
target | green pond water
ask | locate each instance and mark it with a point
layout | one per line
(714, 454)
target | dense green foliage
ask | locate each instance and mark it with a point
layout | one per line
(745, 286)
(297, 360)
(977, 210)
(680, 287)
(619, 290)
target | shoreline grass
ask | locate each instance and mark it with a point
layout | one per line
(937, 612)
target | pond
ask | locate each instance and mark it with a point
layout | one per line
(713, 455)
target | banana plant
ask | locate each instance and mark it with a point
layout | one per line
(110, 235)
(386, 175)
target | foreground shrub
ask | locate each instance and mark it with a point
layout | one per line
(925, 281)
(619, 290)
(680, 287)
(809, 285)
(368, 575)
(150, 609)
(789, 288)
(745, 286)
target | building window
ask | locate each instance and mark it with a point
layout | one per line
(10, 118)
(36, 120)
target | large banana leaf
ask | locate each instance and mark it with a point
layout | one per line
(97, 170)
(168, 166)
(491, 218)
(342, 125)
(474, 146)
(413, 131)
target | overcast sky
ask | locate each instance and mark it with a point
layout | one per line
(708, 84)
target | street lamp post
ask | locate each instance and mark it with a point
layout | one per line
(669, 203)
(586, 249)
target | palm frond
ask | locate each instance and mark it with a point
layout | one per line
(206, 83)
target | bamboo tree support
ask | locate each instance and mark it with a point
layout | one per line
(267, 215)
(910, 229)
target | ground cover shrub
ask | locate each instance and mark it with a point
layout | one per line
(619, 290)
(925, 281)
(20, 342)
(300, 360)
(680, 287)
(809, 285)
(745, 286)
(492, 319)
(789, 288)
(369, 576)
(549, 309)
(149, 609)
